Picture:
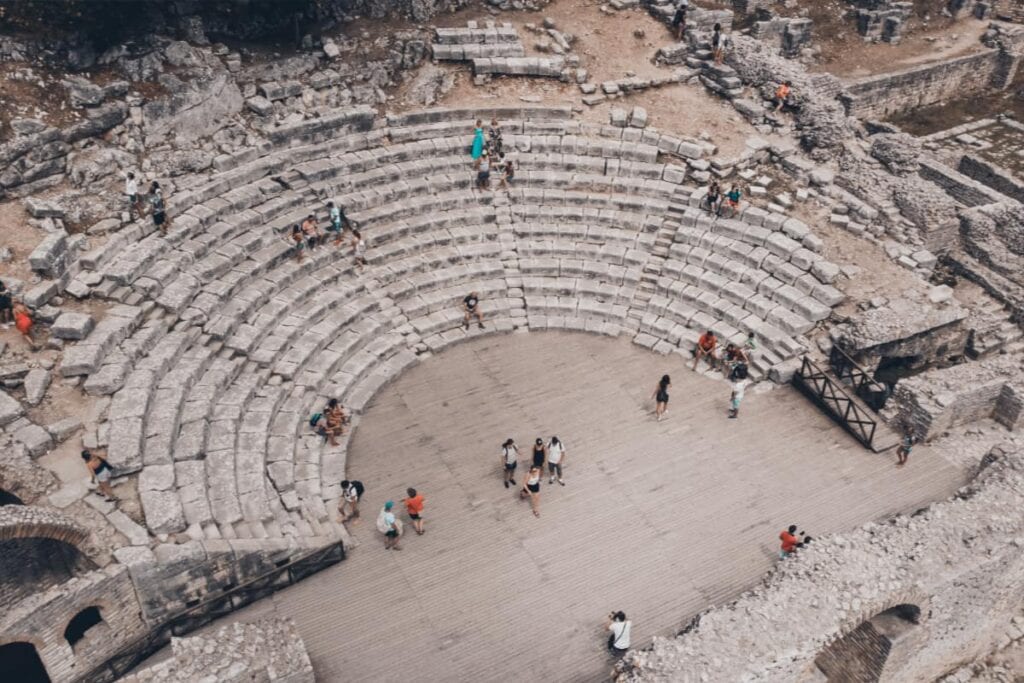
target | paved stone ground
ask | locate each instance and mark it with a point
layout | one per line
(658, 519)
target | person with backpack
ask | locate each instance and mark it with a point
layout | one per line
(351, 493)
(509, 460)
(390, 526)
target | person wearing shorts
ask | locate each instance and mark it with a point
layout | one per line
(388, 525)
(707, 347)
(782, 95)
(732, 198)
(679, 19)
(131, 188)
(717, 43)
(556, 458)
(351, 493)
(311, 230)
(531, 489)
(660, 396)
(903, 451)
(509, 458)
(157, 208)
(508, 171)
(471, 308)
(483, 172)
(414, 506)
(295, 237)
(101, 471)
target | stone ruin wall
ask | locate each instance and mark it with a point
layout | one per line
(993, 176)
(42, 618)
(883, 96)
(937, 400)
(960, 562)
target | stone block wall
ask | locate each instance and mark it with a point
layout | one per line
(937, 400)
(42, 618)
(859, 656)
(993, 176)
(965, 190)
(884, 96)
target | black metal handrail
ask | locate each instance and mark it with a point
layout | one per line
(873, 393)
(198, 615)
(817, 385)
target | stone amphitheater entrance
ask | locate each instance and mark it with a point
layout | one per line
(660, 520)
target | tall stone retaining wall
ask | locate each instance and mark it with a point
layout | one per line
(991, 175)
(960, 187)
(937, 400)
(884, 96)
(41, 619)
(959, 562)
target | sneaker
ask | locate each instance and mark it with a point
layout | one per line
(551, 480)
(506, 483)
(480, 325)
(561, 482)
(512, 481)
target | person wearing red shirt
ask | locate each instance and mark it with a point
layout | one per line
(707, 347)
(790, 542)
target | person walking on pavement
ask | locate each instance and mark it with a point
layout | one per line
(390, 526)
(351, 492)
(660, 396)
(540, 453)
(414, 506)
(531, 488)
(509, 460)
(556, 459)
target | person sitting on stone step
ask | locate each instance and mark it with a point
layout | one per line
(471, 308)
(707, 347)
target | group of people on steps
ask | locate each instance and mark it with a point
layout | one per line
(488, 154)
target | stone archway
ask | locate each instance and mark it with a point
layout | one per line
(20, 662)
(8, 498)
(862, 654)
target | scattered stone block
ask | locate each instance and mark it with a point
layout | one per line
(37, 381)
(638, 117)
(71, 325)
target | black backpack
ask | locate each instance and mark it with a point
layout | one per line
(739, 371)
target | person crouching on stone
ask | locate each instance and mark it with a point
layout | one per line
(100, 471)
(334, 422)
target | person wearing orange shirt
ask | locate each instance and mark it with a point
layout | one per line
(781, 95)
(23, 322)
(414, 506)
(707, 347)
(790, 542)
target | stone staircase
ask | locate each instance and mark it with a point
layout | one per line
(992, 331)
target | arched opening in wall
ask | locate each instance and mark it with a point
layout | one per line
(20, 662)
(80, 623)
(862, 654)
(8, 498)
(31, 565)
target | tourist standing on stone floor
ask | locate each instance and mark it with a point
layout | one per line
(707, 347)
(509, 461)
(531, 488)
(131, 189)
(414, 506)
(6, 306)
(903, 450)
(157, 208)
(339, 222)
(390, 526)
(790, 541)
(100, 472)
(660, 396)
(348, 505)
(295, 237)
(679, 20)
(478, 143)
(358, 250)
(621, 631)
(556, 459)
(494, 142)
(739, 381)
(471, 309)
(483, 174)
(717, 44)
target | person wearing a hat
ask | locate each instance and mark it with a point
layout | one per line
(389, 525)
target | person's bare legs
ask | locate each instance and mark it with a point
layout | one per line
(535, 503)
(479, 319)
(106, 489)
(418, 524)
(697, 355)
(659, 410)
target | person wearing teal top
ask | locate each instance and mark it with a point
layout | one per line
(478, 140)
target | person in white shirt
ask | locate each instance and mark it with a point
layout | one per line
(739, 387)
(358, 249)
(556, 458)
(509, 460)
(131, 188)
(621, 629)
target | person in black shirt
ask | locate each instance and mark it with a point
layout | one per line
(471, 308)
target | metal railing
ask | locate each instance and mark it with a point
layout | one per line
(198, 615)
(831, 397)
(873, 393)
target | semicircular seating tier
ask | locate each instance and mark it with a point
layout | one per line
(223, 344)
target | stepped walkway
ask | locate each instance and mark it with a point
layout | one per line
(661, 520)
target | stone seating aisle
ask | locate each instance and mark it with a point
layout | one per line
(244, 342)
